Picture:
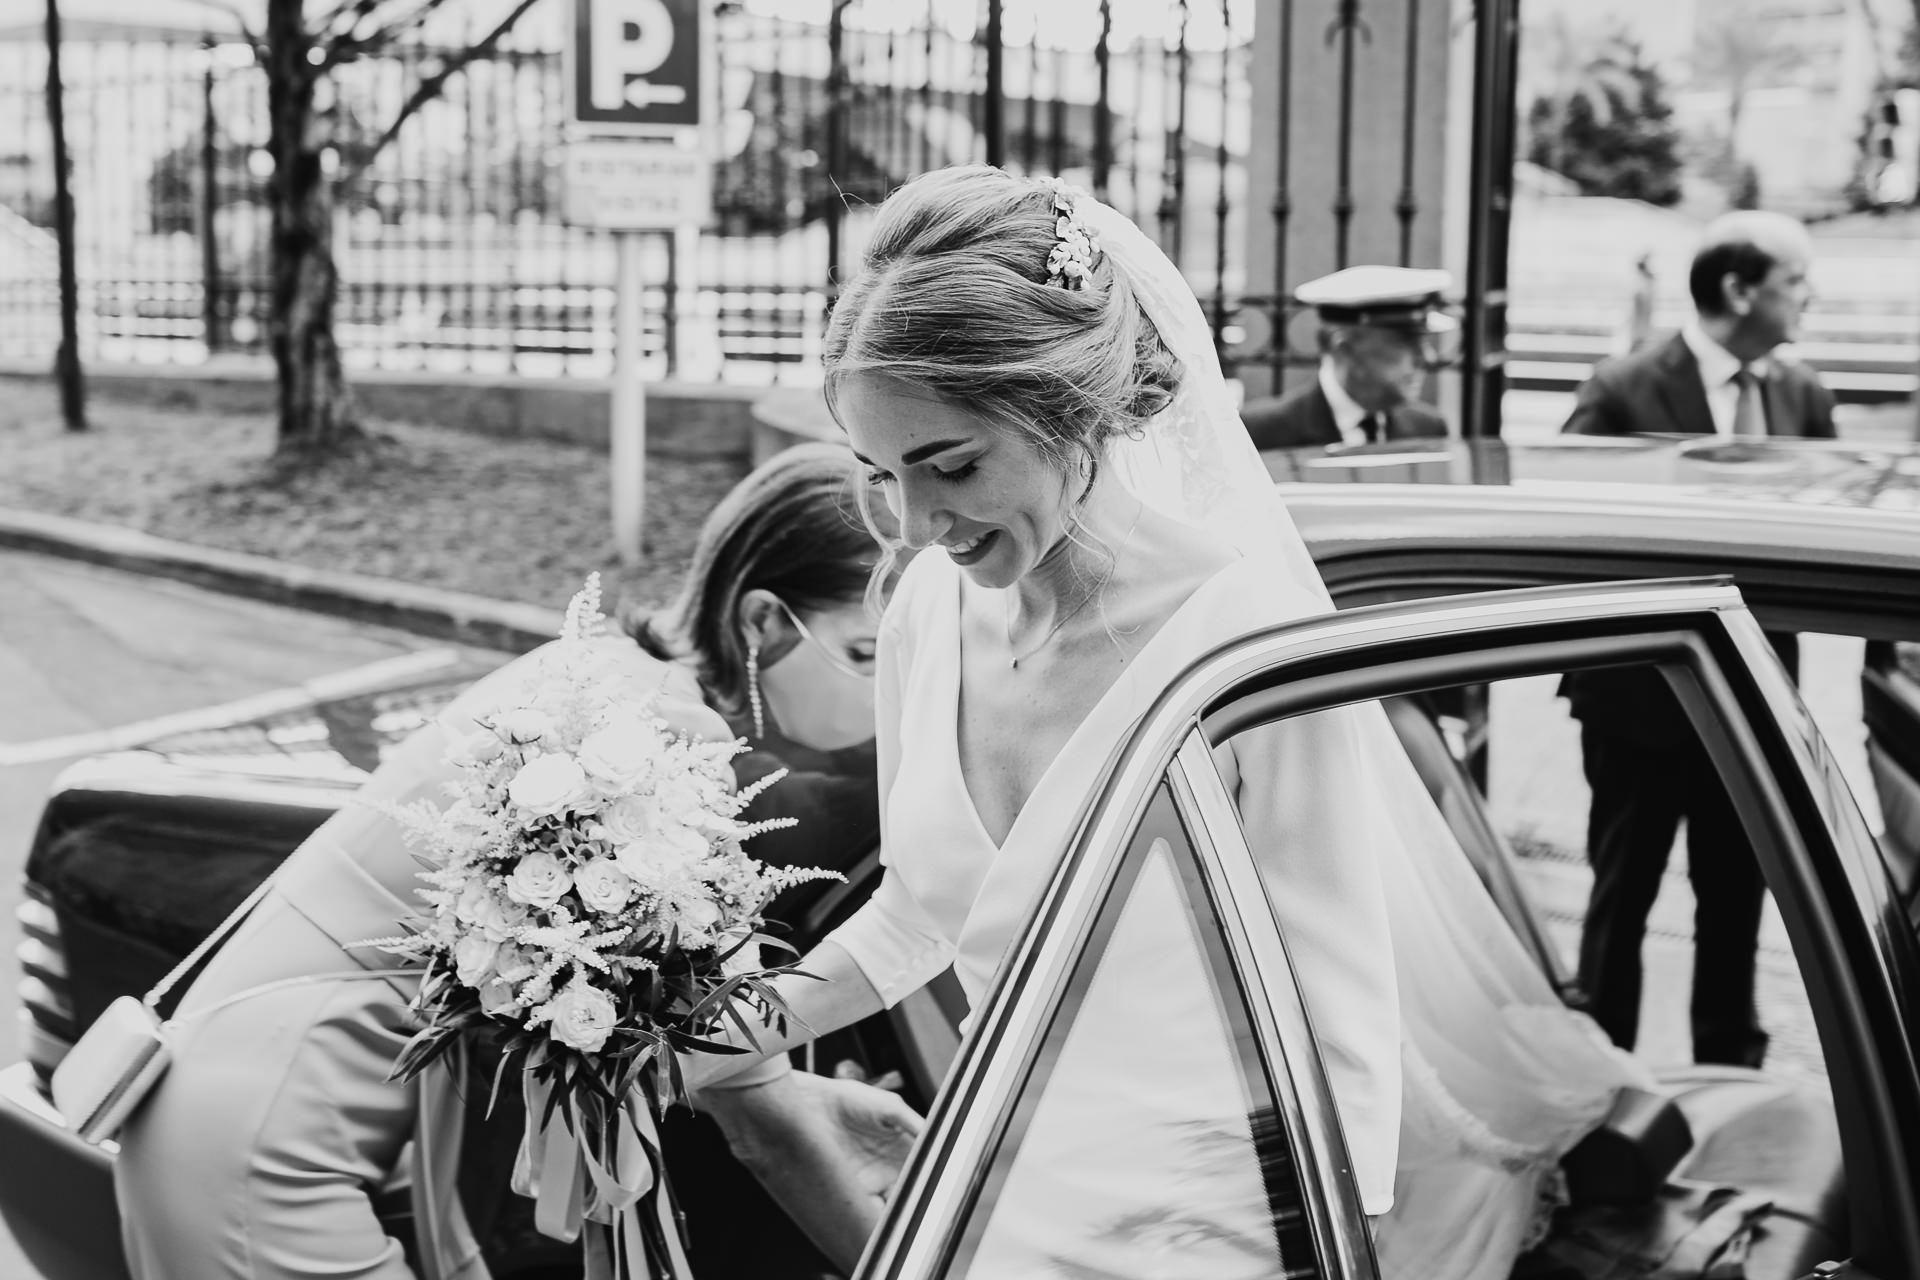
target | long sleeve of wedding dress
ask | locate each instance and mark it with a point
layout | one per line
(893, 940)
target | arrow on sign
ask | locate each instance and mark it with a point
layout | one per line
(644, 93)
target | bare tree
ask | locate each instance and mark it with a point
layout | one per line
(303, 45)
(66, 361)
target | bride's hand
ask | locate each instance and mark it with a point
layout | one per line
(828, 1150)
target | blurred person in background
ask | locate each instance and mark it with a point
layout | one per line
(1377, 329)
(1720, 375)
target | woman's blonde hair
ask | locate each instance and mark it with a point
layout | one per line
(953, 298)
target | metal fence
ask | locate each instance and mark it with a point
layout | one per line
(451, 250)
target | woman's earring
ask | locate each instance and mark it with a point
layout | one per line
(753, 689)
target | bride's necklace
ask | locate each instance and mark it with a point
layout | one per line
(1015, 659)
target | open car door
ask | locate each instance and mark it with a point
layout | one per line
(1161, 861)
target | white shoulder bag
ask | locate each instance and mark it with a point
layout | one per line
(123, 1054)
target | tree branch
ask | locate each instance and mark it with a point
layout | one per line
(347, 47)
(247, 33)
(429, 89)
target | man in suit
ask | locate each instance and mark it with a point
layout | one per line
(1721, 374)
(1376, 333)
(1645, 765)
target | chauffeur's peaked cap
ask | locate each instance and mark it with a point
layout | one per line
(1381, 297)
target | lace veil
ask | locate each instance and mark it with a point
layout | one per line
(1499, 1078)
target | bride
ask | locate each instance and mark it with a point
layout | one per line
(1035, 394)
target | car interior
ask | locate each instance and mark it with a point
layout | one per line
(1724, 1143)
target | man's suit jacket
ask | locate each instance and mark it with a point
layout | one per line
(1305, 419)
(1658, 390)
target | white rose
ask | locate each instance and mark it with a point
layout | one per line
(603, 886)
(548, 785)
(523, 726)
(627, 819)
(473, 958)
(620, 752)
(497, 998)
(680, 801)
(582, 1017)
(671, 850)
(514, 963)
(473, 899)
(498, 918)
(698, 916)
(482, 746)
(538, 881)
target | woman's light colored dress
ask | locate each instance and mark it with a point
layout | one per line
(950, 896)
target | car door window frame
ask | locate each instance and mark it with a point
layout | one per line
(1808, 834)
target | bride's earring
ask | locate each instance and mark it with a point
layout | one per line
(753, 689)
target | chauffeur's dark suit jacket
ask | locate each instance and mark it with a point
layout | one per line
(1644, 762)
(1305, 419)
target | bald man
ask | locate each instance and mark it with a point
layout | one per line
(1720, 375)
(1644, 763)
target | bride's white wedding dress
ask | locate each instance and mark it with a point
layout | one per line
(1459, 1077)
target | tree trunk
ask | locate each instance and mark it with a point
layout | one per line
(316, 409)
(66, 361)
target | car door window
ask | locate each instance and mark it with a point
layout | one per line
(1600, 764)
(1146, 1141)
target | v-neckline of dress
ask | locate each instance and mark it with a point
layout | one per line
(1094, 712)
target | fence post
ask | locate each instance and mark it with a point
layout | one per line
(1173, 185)
(66, 362)
(836, 135)
(994, 104)
(1102, 117)
(209, 205)
(1490, 209)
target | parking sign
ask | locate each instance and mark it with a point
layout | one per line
(634, 65)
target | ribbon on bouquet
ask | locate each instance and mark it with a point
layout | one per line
(601, 1180)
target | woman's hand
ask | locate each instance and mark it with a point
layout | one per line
(827, 1150)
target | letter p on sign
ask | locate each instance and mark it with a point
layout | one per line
(635, 65)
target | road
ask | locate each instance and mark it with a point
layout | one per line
(89, 656)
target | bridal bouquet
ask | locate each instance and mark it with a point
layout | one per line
(592, 910)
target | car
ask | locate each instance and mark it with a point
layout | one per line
(1469, 579)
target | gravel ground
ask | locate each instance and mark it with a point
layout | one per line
(516, 520)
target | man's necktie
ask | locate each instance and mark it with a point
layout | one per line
(1749, 410)
(1371, 427)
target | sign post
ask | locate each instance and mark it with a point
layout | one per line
(634, 165)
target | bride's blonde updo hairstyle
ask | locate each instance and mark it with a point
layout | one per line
(954, 297)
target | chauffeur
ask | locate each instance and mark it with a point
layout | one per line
(1377, 326)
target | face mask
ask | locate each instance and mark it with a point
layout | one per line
(815, 697)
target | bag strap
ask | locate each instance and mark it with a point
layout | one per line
(208, 943)
(287, 984)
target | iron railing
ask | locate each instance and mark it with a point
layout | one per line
(453, 255)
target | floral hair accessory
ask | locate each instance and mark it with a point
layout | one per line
(1070, 265)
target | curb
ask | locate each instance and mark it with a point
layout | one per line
(425, 611)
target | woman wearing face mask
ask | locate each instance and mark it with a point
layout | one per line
(264, 1151)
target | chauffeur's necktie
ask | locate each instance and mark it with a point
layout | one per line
(1372, 427)
(1749, 411)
